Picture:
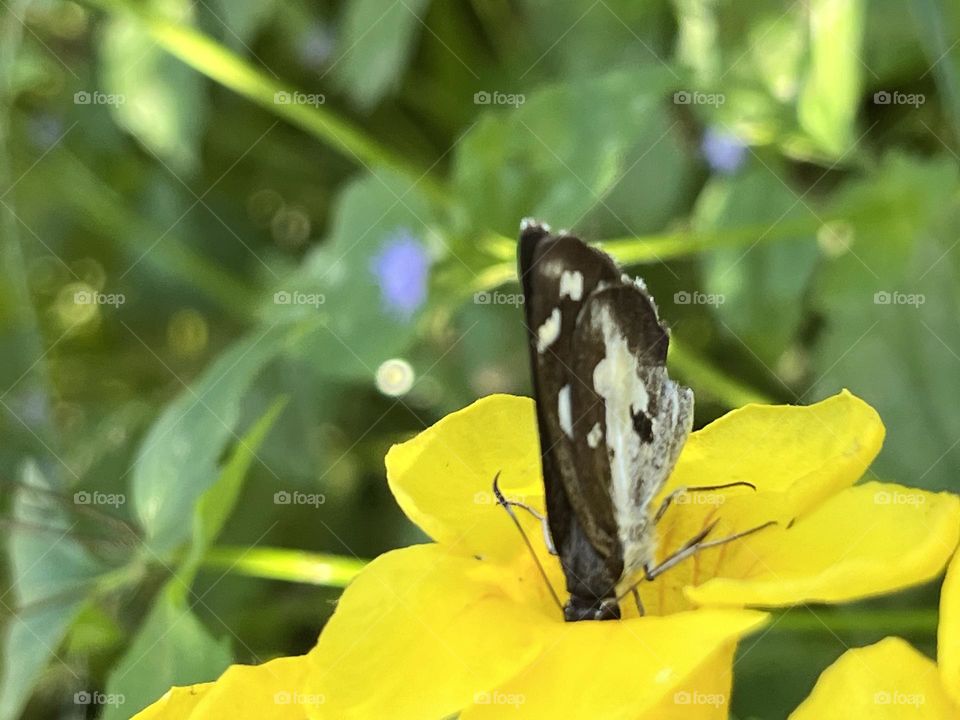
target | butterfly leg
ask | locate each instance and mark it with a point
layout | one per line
(637, 600)
(690, 548)
(696, 544)
(544, 526)
(506, 505)
(669, 499)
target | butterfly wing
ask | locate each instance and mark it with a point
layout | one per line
(558, 274)
(635, 419)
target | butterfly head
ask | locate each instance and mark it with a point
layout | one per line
(579, 608)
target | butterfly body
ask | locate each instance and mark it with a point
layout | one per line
(611, 422)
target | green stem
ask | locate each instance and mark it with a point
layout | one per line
(282, 564)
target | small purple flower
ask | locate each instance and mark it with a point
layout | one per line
(724, 151)
(315, 47)
(402, 268)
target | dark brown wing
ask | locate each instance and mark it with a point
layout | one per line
(558, 274)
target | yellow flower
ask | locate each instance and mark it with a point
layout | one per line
(465, 624)
(891, 680)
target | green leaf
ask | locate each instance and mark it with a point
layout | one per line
(52, 574)
(761, 286)
(172, 647)
(214, 507)
(551, 159)
(376, 41)
(360, 326)
(163, 102)
(178, 459)
(889, 308)
(831, 92)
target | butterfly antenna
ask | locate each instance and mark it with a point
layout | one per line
(505, 504)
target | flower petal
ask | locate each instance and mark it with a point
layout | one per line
(796, 456)
(617, 670)
(443, 478)
(177, 703)
(866, 540)
(269, 691)
(703, 695)
(948, 634)
(417, 634)
(886, 681)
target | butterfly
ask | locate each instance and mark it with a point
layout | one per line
(611, 421)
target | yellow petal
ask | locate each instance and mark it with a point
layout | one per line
(176, 704)
(418, 634)
(886, 681)
(443, 478)
(948, 634)
(866, 540)
(269, 691)
(703, 695)
(618, 670)
(796, 456)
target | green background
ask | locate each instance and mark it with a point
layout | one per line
(188, 188)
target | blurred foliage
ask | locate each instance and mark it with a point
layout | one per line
(218, 220)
